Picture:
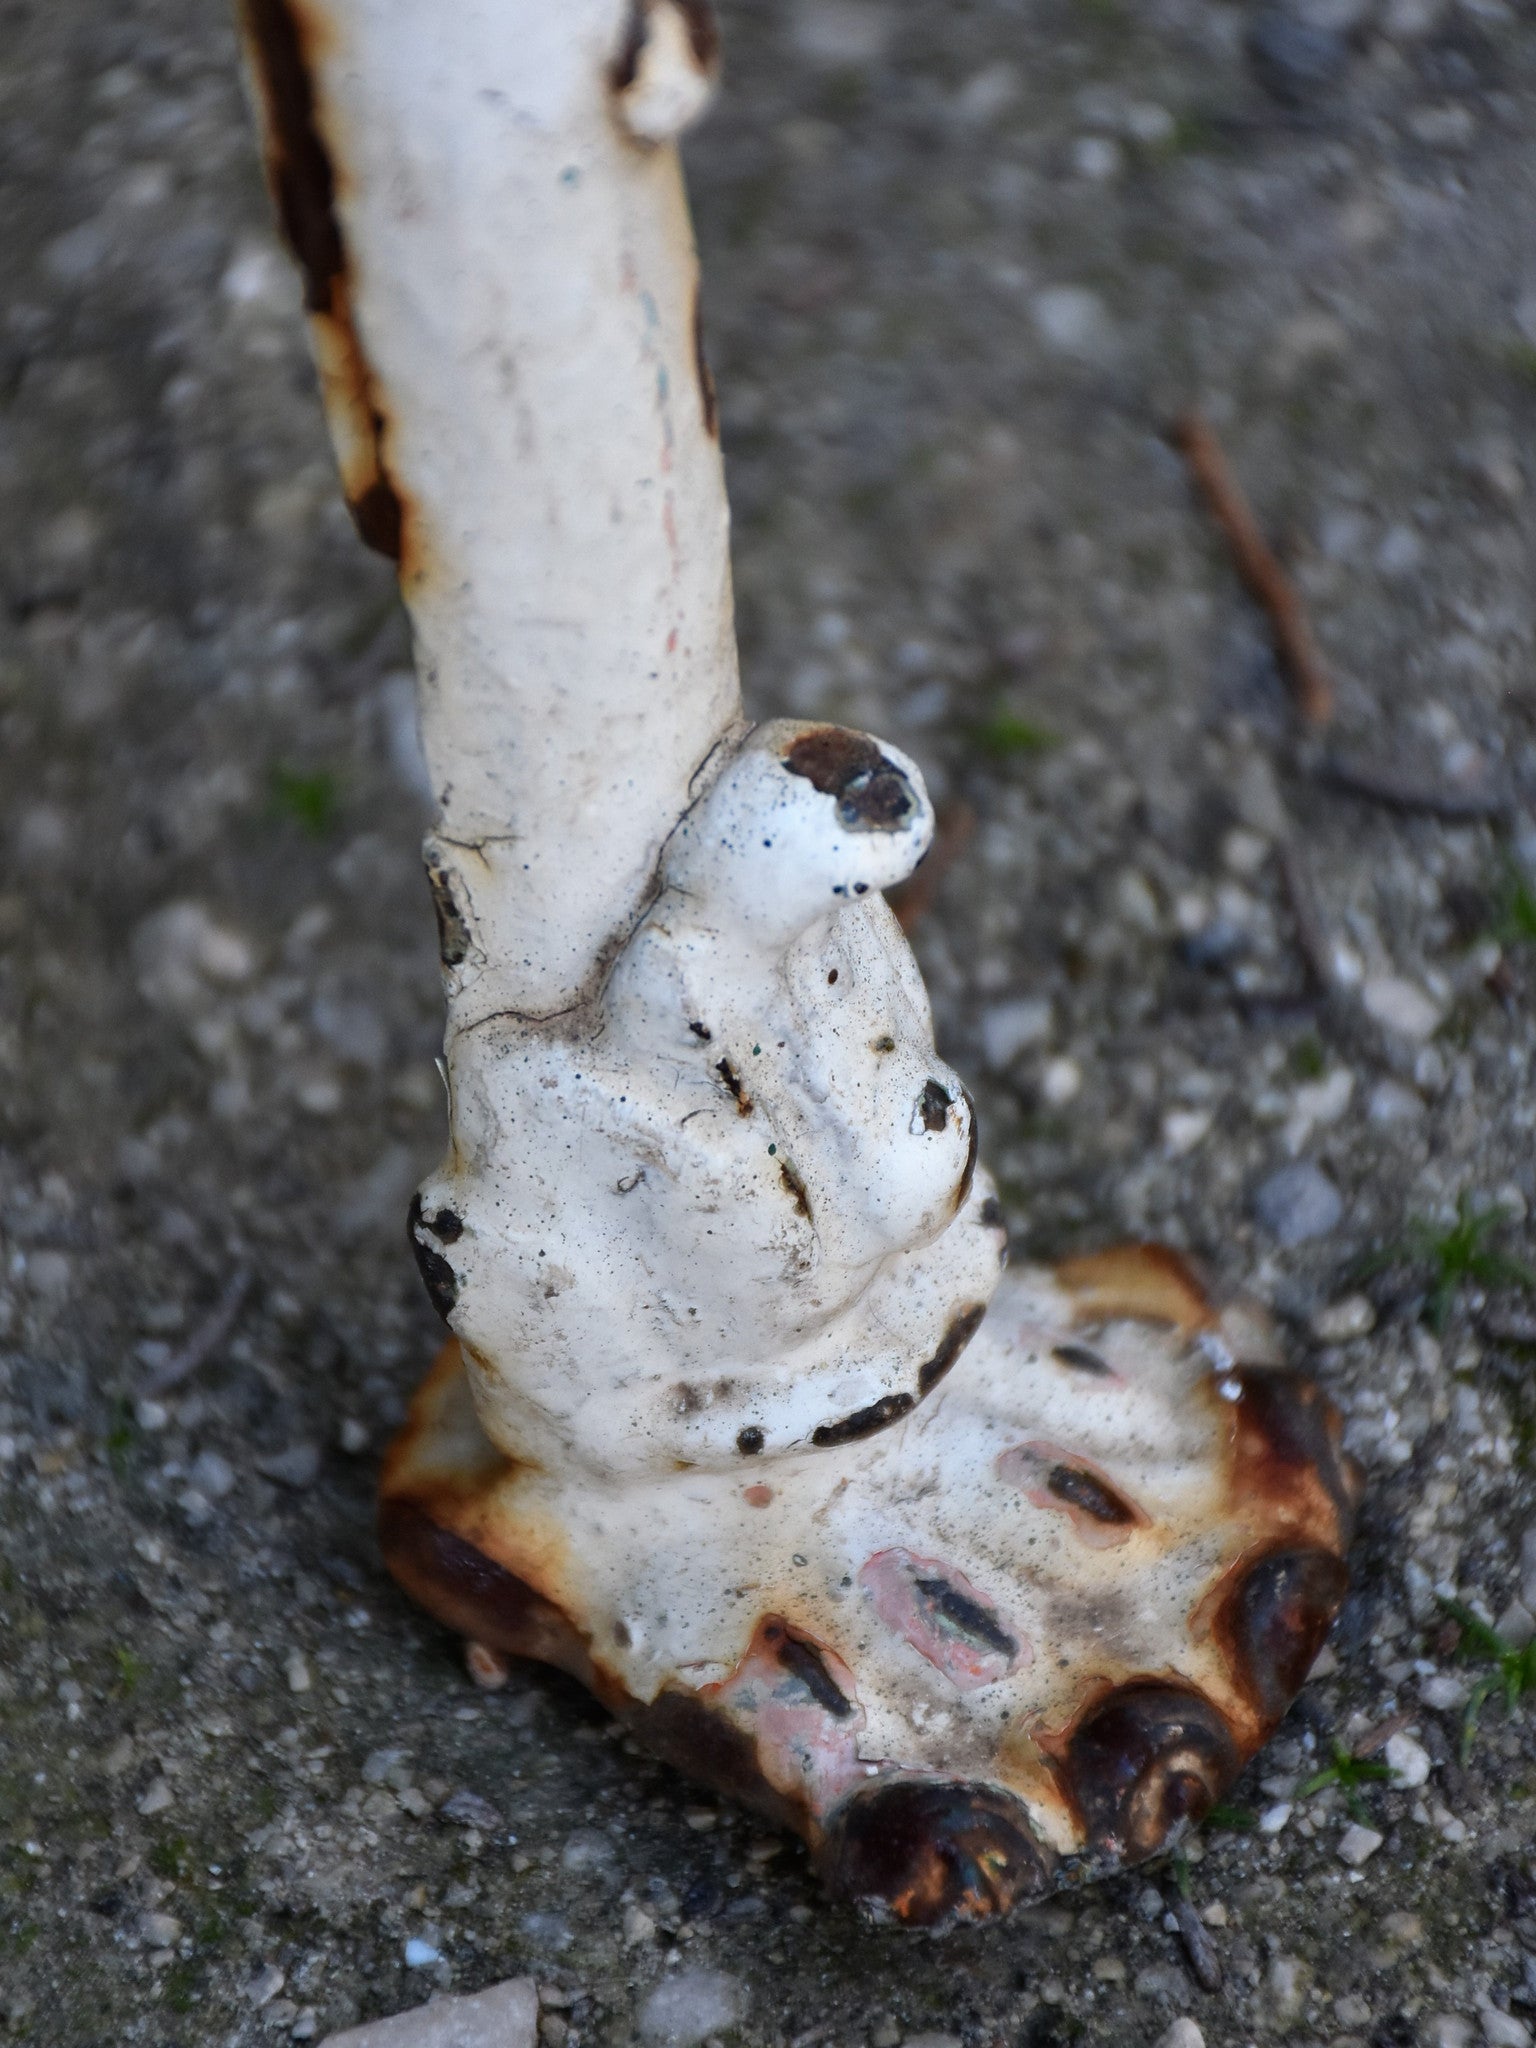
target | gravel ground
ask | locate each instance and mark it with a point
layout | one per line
(955, 290)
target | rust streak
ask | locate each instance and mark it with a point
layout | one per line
(284, 37)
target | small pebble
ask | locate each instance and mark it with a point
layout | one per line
(1008, 1028)
(1357, 1845)
(1073, 321)
(264, 1986)
(386, 1767)
(157, 1798)
(159, 1930)
(1503, 2030)
(1409, 1760)
(1294, 62)
(420, 1955)
(1298, 1203)
(1274, 1818)
(1182, 2034)
(505, 2016)
(488, 1668)
(296, 1671)
(298, 1466)
(1443, 1691)
(1354, 1315)
(211, 1475)
(1448, 2030)
(689, 2007)
(466, 1809)
(1400, 1006)
(1060, 1080)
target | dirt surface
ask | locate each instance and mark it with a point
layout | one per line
(961, 270)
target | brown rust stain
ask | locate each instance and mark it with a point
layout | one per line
(1270, 1616)
(873, 795)
(709, 404)
(1147, 1283)
(703, 39)
(1285, 1457)
(1141, 1758)
(285, 37)
(795, 1188)
(733, 1082)
(972, 1147)
(933, 1854)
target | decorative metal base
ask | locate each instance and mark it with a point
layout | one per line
(1021, 1636)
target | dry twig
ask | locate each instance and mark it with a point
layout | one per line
(206, 1338)
(1311, 933)
(1258, 566)
(1380, 783)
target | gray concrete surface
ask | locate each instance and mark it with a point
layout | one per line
(962, 264)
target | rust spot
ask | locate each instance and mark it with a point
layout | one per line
(378, 515)
(1079, 1489)
(933, 1106)
(1062, 1481)
(1144, 1759)
(803, 1660)
(758, 1496)
(282, 35)
(932, 1854)
(468, 1592)
(749, 1441)
(702, 1743)
(1286, 1450)
(967, 1616)
(796, 1187)
(1145, 1282)
(298, 162)
(1276, 1618)
(447, 1226)
(864, 1421)
(732, 1080)
(703, 39)
(960, 1332)
(1082, 1358)
(452, 925)
(968, 1171)
(438, 1277)
(708, 402)
(873, 795)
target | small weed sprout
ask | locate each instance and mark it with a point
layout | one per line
(1455, 1256)
(1349, 1772)
(1513, 1673)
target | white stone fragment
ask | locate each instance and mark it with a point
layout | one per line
(1182, 2034)
(1400, 1006)
(1357, 1845)
(1503, 2030)
(505, 2016)
(1410, 1761)
(690, 2006)
(1274, 1818)
(1007, 1029)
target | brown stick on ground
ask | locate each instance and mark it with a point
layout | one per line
(1258, 566)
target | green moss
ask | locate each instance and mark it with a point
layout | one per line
(1005, 736)
(309, 800)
